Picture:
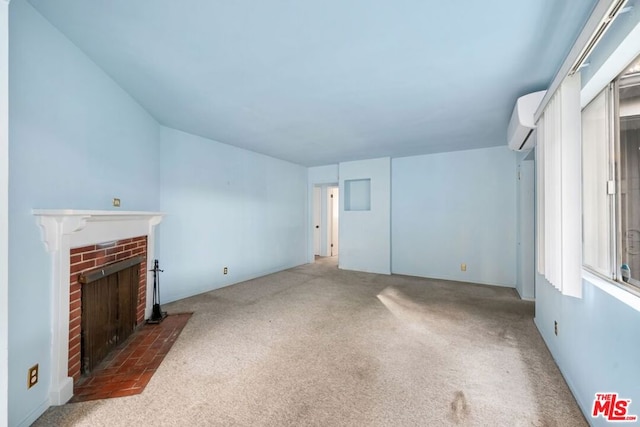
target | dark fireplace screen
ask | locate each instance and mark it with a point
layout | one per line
(109, 303)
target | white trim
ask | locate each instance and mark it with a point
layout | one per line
(4, 212)
(621, 57)
(615, 291)
(62, 230)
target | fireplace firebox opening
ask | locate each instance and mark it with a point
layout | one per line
(109, 301)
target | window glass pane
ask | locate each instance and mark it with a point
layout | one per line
(629, 176)
(595, 174)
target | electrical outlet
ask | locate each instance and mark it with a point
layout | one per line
(463, 267)
(225, 270)
(555, 327)
(116, 202)
(32, 378)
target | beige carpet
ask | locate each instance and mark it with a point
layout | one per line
(319, 346)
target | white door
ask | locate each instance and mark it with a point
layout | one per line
(334, 212)
(317, 218)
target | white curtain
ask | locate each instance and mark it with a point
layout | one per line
(559, 190)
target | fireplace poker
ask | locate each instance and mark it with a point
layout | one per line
(157, 315)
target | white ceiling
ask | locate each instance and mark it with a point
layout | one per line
(319, 82)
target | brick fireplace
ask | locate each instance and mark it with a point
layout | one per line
(81, 240)
(93, 257)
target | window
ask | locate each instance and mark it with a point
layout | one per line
(596, 174)
(611, 181)
(629, 178)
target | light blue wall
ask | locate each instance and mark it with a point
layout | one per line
(226, 207)
(4, 210)
(76, 141)
(453, 208)
(365, 236)
(322, 175)
(598, 343)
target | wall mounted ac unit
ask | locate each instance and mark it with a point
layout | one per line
(522, 123)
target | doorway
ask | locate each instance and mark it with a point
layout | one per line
(326, 223)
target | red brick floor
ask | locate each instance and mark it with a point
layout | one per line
(129, 367)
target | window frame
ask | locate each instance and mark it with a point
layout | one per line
(614, 173)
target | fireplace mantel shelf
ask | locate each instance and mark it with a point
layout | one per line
(58, 222)
(93, 213)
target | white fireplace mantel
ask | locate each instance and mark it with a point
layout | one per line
(63, 229)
